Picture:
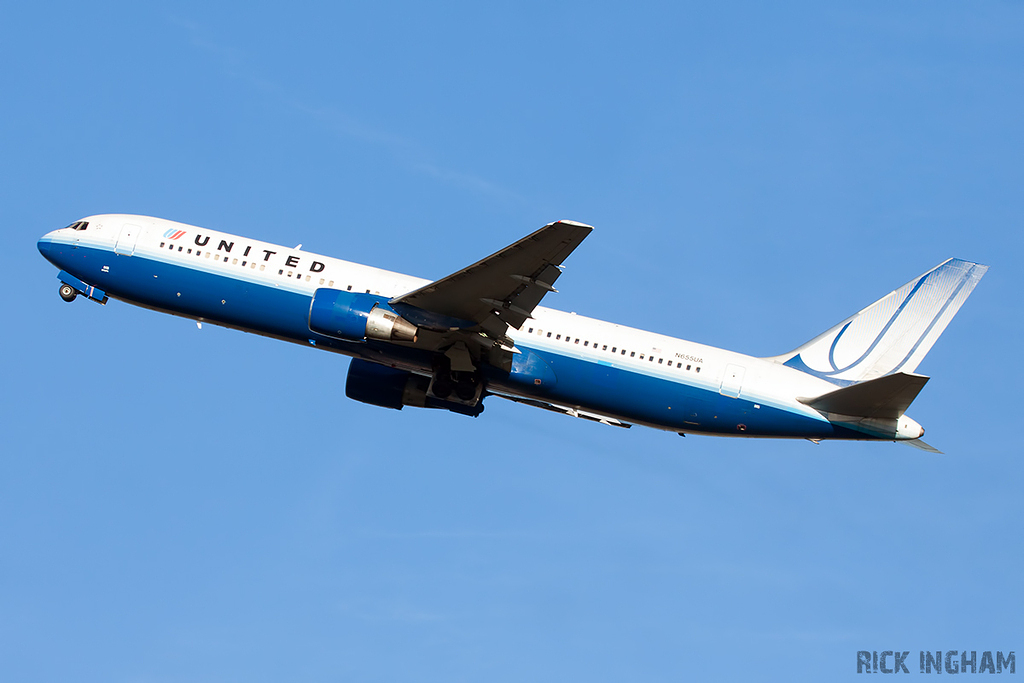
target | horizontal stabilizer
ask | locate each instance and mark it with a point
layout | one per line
(917, 443)
(885, 397)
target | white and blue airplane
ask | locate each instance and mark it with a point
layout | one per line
(450, 343)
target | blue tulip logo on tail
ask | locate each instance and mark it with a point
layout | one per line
(893, 334)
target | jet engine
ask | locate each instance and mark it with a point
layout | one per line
(355, 317)
(387, 387)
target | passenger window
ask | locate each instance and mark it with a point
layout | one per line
(190, 251)
(661, 360)
(530, 331)
(162, 244)
(586, 343)
(632, 354)
(687, 367)
(558, 336)
(614, 350)
(331, 284)
(577, 340)
(321, 280)
(549, 334)
(262, 266)
(698, 368)
(234, 262)
(280, 272)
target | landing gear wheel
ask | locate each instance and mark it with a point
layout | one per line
(465, 388)
(442, 387)
(68, 293)
(442, 384)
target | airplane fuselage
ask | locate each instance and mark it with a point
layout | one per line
(588, 367)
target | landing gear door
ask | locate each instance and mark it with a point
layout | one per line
(732, 382)
(126, 239)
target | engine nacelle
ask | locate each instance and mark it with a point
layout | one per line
(354, 316)
(387, 387)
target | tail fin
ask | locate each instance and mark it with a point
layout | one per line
(893, 334)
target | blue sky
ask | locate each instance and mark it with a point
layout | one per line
(178, 504)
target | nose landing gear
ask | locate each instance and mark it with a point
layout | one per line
(71, 287)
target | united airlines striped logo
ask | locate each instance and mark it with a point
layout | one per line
(894, 333)
(173, 234)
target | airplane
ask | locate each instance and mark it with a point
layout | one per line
(450, 343)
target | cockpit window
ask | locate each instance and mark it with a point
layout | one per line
(79, 225)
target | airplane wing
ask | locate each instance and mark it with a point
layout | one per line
(501, 290)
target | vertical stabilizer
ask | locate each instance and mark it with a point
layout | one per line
(893, 334)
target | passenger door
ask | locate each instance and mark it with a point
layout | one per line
(732, 381)
(126, 239)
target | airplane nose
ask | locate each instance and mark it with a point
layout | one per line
(45, 245)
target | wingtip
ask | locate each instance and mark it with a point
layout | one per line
(575, 224)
